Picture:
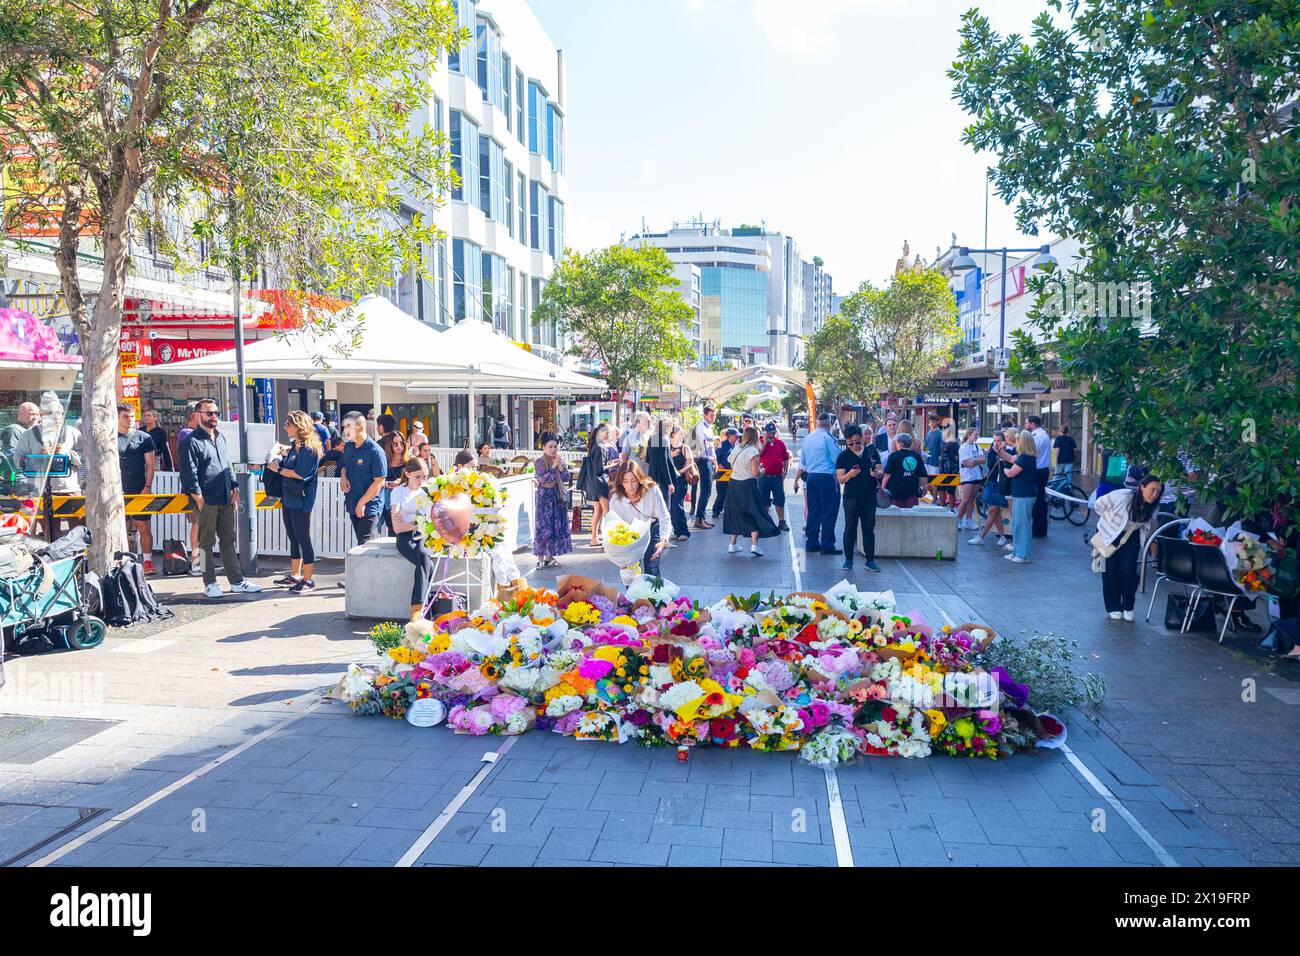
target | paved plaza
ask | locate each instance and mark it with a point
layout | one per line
(208, 738)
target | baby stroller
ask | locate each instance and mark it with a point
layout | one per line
(48, 599)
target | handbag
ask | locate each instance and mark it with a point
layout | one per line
(272, 483)
(882, 498)
(1202, 620)
(993, 497)
(1103, 549)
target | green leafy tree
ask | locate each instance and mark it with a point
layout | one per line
(888, 341)
(280, 128)
(620, 306)
(1162, 136)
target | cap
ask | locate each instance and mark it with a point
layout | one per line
(317, 415)
(731, 430)
(770, 427)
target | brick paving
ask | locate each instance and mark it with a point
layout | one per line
(1209, 775)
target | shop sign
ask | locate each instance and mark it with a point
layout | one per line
(953, 386)
(128, 363)
(166, 351)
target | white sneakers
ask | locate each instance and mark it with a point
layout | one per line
(1115, 615)
(1015, 560)
(214, 589)
(756, 551)
(732, 548)
(1124, 615)
(1129, 616)
(1006, 547)
(1001, 542)
(976, 540)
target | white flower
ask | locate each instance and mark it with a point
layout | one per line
(356, 684)
(516, 723)
(660, 674)
(679, 695)
(563, 660)
(482, 718)
(417, 634)
(914, 747)
(563, 705)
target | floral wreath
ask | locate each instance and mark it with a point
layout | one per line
(487, 527)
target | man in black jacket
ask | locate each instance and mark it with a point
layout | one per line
(208, 478)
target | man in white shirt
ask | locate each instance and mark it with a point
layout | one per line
(634, 442)
(706, 460)
(1043, 472)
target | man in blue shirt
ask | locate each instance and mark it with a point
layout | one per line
(365, 466)
(817, 462)
(318, 422)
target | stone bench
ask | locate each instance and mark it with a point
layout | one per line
(921, 532)
(378, 582)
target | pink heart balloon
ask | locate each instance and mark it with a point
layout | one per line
(451, 516)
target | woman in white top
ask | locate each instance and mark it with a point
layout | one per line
(970, 460)
(1120, 517)
(634, 496)
(744, 514)
(402, 504)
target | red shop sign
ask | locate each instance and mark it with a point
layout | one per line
(166, 351)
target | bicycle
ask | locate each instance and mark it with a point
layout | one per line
(1075, 512)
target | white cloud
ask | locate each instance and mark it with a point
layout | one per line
(808, 26)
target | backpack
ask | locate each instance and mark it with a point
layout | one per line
(175, 559)
(1116, 470)
(948, 460)
(128, 599)
(499, 431)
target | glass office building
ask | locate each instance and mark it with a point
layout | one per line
(733, 308)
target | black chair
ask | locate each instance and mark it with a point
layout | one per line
(1177, 565)
(1214, 578)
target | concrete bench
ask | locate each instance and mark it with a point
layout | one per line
(921, 532)
(379, 581)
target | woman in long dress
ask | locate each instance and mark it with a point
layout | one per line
(551, 536)
(744, 514)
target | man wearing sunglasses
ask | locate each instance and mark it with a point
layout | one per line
(209, 479)
(858, 470)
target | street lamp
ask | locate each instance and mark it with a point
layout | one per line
(964, 263)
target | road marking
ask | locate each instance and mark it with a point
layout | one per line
(145, 645)
(794, 559)
(171, 788)
(431, 832)
(1103, 791)
(839, 827)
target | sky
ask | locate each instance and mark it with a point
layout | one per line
(831, 120)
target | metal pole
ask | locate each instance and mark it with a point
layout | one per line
(247, 533)
(376, 400)
(470, 417)
(1002, 333)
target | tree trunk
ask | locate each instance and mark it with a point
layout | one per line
(105, 510)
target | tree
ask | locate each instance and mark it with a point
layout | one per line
(280, 128)
(622, 307)
(888, 341)
(1160, 135)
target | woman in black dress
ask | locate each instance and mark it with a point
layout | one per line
(152, 426)
(744, 514)
(593, 479)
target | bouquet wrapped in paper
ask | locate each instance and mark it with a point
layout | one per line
(625, 544)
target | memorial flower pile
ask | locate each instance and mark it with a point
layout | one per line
(835, 676)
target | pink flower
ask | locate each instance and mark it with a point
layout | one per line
(593, 668)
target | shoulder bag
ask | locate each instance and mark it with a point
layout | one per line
(1102, 549)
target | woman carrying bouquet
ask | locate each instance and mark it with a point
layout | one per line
(551, 537)
(402, 506)
(635, 497)
(1120, 517)
(745, 514)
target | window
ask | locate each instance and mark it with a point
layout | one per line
(465, 157)
(485, 175)
(506, 99)
(557, 141)
(536, 118)
(489, 70)
(492, 182)
(510, 302)
(536, 298)
(467, 279)
(524, 334)
(556, 239)
(519, 106)
(444, 312)
(496, 292)
(522, 236)
(538, 202)
(463, 58)
(551, 121)
(509, 189)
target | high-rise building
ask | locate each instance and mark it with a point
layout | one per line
(751, 289)
(818, 297)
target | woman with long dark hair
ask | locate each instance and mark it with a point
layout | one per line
(403, 505)
(1121, 514)
(551, 535)
(298, 470)
(593, 479)
(745, 514)
(635, 496)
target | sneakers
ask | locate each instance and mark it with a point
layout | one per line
(196, 564)
(847, 566)
(872, 566)
(149, 568)
(1129, 616)
(1115, 615)
(287, 581)
(755, 551)
(1008, 546)
(246, 587)
(1001, 541)
(1015, 560)
(303, 586)
(732, 548)
(976, 540)
(213, 590)
(782, 526)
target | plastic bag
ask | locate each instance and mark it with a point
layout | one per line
(625, 555)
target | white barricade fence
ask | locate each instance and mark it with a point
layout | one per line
(331, 531)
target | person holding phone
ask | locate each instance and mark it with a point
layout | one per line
(858, 470)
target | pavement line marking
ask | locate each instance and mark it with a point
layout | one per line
(840, 828)
(171, 788)
(1103, 791)
(794, 562)
(431, 832)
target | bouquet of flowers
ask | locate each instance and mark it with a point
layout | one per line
(657, 591)
(625, 544)
(830, 747)
(1248, 560)
(1199, 531)
(487, 522)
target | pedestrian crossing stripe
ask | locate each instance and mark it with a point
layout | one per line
(137, 506)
